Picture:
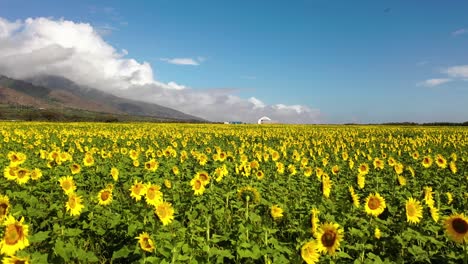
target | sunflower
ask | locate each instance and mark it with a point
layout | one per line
(314, 220)
(414, 211)
(307, 171)
(260, 175)
(427, 161)
(377, 233)
(456, 227)
(88, 160)
(453, 167)
(411, 170)
(335, 169)
(391, 162)
(378, 164)
(114, 172)
(428, 196)
(309, 252)
(22, 176)
(67, 184)
(36, 174)
(165, 212)
(15, 236)
(354, 196)
(292, 169)
(280, 167)
(363, 169)
(10, 173)
(398, 168)
(167, 184)
(16, 158)
(344, 155)
(319, 172)
(415, 155)
(326, 185)
(137, 190)
(4, 206)
(375, 204)
(248, 194)
(361, 181)
(145, 241)
(153, 195)
(105, 196)
(15, 260)
(204, 177)
(175, 170)
(351, 164)
(151, 165)
(449, 197)
(329, 236)
(401, 180)
(434, 213)
(276, 212)
(197, 186)
(441, 162)
(74, 204)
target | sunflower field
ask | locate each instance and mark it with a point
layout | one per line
(205, 193)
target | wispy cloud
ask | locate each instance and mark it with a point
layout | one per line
(459, 32)
(184, 61)
(435, 82)
(460, 71)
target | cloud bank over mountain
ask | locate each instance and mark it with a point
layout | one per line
(46, 46)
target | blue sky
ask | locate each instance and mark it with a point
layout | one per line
(354, 61)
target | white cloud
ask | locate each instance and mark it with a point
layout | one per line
(77, 51)
(182, 61)
(460, 32)
(434, 82)
(460, 71)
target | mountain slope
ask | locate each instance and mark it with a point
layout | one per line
(56, 92)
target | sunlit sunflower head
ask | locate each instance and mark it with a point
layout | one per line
(15, 260)
(314, 220)
(152, 165)
(36, 174)
(456, 227)
(449, 197)
(363, 169)
(165, 212)
(175, 170)
(10, 173)
(75, 168)
(428, 196)
(434, 213)
(329, 236)
(276, 212)
(415, 155)
(22, 175)
(105, 196)
(411, 170)
(260, 175)
(167, 184)
(361, 180)
(427, 161)
(153, 194)
(197, 186)
(391, 162)
(335, 169)
(67, 184)
(319, 172)
(308, 171)
(441, 162)
(4, 207)
(375, 204)
(137, 190)
(248, 194)
(377, 233)
(414, 211)
(74, 204)
(401, 180)
(145, 241)
(310, 253)
(88, 160)
(16, 158)
(378, 164)
(354, 196)
(398, 168)
(114, 172)
(15, 236)
(204, 177)
(453, 167)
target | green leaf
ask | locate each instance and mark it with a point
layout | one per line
(39, 236)
(121, 253)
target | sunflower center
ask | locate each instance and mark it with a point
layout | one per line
(151, 194)
(362, 168)
(21, 173)
(328, 238)
(3, 209)
(162, 212)
(410, 210)
(105, 195)
(72, 202)
(203, 177)
(197, 185)
(13, 233)
(145, 243)
(373, 203)
(137, 189)
(66, 185)
(460, 226)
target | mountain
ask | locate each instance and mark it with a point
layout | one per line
(52, 92)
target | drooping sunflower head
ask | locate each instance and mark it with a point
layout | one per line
(15, 260)
(248, 194)
(4, 207)
(329, 237)
(456, 227)
(165, 212)
(375, 204)
(414, 211)
(145, 241)
(115, 174)
(310, 253)
(15, 237)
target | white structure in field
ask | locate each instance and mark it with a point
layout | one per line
(266, 120)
